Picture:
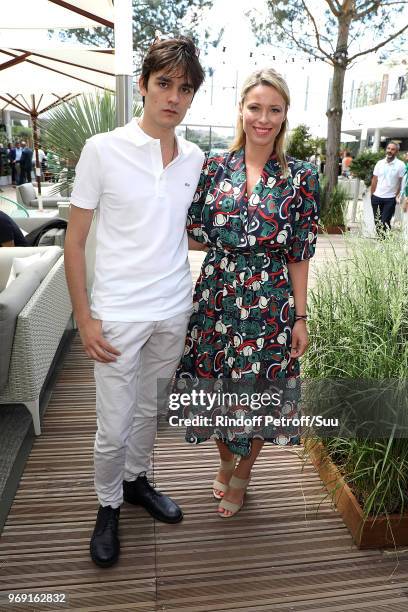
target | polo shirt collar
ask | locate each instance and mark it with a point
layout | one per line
(140, 138)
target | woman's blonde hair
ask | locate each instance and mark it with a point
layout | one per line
(266, 76)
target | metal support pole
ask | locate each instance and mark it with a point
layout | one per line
(307, 92)
(34, 120)
(363, 139)
(377, 139)
(124, 99)
(123, 60)
(7, 122)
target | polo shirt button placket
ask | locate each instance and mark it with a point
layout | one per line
(161, 186)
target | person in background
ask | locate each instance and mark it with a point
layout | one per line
(315, 160)
(404, 186)
(4, 159)
(340, 161)
(386, 186)
(41, 160)
(346, 163)
(26, 164)
(15, 156)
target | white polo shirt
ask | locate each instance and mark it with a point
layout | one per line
(141, 271)
(388, 174)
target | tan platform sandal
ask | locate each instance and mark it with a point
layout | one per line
(228, 468)
(235, 483)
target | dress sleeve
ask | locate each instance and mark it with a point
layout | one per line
(194, 220)
(303, 242)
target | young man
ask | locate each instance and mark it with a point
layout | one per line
(386, 185)
(141, 179)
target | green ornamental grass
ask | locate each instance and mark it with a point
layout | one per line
(359, 330)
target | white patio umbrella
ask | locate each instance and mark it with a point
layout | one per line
(66, 14)
(58, 14)
(35, 81)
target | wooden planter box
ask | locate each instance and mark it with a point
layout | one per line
(332, 229)
(371, 533)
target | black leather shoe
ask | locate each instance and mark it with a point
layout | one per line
(140, 492)
(105, 543)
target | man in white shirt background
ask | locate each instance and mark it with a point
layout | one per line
(386, 185)
(140, 179)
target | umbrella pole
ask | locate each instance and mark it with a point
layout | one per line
(34, 119)
(123, 14)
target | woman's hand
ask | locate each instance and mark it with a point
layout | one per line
(299, 339)
(193, 245)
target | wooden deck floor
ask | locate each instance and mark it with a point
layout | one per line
(287, 550)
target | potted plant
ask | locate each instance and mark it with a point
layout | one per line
(363, 165)
(332, 208)
(359, 334)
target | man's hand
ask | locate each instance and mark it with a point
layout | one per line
(299, 339)
(96, 347)
(193, 245)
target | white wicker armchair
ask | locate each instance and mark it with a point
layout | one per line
(39, 329)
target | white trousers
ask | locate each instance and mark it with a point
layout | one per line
(126, 399)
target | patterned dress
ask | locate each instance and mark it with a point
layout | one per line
(243, 308)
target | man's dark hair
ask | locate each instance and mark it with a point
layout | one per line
(175, 55)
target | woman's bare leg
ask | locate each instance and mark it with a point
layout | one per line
(225, 455)
(243, 470)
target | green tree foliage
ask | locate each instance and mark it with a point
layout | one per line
(319, 145)
(19, 132)
(332, 31)
(167, 16)
(301, 144)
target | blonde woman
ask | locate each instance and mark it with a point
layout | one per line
(256, 210)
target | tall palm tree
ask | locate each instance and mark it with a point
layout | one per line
(67, 127)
